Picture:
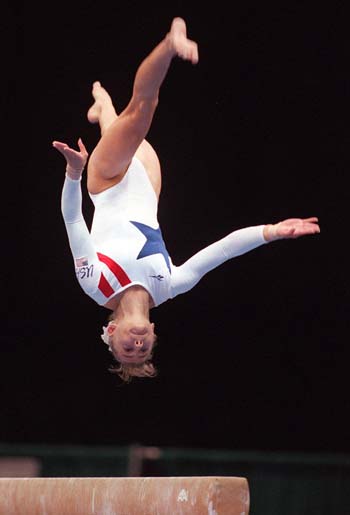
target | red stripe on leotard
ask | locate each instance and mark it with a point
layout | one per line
(116, 269)
(105, 287)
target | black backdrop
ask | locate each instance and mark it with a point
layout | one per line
(256, 355)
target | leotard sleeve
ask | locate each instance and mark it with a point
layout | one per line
(87, 264)
(186, 276)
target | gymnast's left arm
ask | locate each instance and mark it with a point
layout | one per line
(239, 242)
(87, 265)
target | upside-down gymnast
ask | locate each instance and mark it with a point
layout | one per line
(122, 263)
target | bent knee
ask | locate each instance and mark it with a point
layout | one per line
(102, 168)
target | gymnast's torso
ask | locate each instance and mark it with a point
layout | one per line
(126, 235)
(125, 247)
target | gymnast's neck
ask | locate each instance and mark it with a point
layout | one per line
(130, 302)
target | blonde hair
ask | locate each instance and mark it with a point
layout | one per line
(127, 372)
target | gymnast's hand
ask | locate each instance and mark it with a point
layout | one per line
(291, 228)
(76, 160)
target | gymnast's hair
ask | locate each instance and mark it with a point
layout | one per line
(127, 372)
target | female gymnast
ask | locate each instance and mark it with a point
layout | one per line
(122, 263)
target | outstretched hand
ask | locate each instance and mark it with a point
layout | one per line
(76, 160)
(292, 228)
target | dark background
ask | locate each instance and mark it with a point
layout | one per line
(256, 356)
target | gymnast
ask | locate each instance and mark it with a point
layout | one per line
(122, 263)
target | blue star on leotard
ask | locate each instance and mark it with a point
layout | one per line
(154, 243)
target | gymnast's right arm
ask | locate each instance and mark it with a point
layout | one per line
(239, 242)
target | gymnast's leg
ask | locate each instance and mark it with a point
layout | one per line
(122, 135)
(104, 113)
(102, 110)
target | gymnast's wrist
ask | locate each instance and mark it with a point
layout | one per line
(73, 174)
(270, 232)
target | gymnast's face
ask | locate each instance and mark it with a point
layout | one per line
(131, 342)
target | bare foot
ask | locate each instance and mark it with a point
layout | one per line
(102, 100)
(183, 47)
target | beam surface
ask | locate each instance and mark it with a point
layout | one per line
(211, 495)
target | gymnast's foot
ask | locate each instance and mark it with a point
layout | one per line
(183, 47)
(103, 103)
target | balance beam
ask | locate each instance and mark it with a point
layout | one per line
(125, 496)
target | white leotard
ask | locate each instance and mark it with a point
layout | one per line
(125, 245)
